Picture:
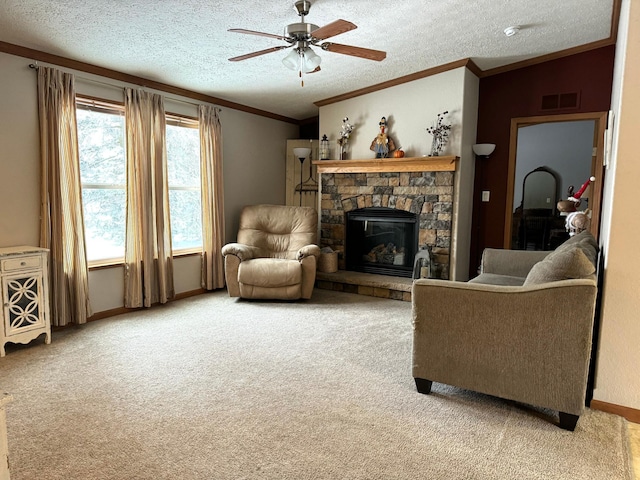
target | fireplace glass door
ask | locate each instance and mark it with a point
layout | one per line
(381, 240)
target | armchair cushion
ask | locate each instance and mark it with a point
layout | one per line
(496, 279)
(269, 272)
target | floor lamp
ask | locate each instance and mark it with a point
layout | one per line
(301, 154)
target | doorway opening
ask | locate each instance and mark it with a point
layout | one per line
(547, 136)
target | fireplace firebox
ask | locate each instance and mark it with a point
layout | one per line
(381, 240)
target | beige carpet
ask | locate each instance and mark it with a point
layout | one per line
(216, 388)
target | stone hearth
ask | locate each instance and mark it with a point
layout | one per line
(383, 286)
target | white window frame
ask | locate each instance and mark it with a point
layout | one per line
(184, 121)
(115, 108)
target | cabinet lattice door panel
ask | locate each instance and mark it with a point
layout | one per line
(25, 296)
(22, 309)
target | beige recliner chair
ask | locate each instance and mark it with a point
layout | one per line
(276, 253)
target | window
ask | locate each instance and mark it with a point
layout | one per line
(103, 173)
(183, 169)
(101, 145)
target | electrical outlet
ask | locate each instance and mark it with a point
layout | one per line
(485, 195)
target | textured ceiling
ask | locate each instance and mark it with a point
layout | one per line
(186, 43)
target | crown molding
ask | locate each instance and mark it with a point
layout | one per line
(64, 62)
(469, 64)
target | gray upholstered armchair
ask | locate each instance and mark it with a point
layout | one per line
(521, 330)
(276, 253)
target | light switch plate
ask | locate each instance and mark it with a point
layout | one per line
(485, 195)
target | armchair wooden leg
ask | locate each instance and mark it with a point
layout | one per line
(568, 421)
(423, 386)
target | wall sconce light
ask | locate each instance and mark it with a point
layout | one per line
(484, 149)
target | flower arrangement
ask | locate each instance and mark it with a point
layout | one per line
(344, 135)
(440, 132)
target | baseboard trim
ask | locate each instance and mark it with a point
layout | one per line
(631, 414)
(191, 293)
(120, 310)
(109, 313)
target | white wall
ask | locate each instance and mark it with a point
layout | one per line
(411, 108)
(617, 379)
(19, 154)
(253, 149)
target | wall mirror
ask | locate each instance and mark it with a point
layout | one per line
(536, 219)
(540, 191)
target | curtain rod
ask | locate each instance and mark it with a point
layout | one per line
(35, 66)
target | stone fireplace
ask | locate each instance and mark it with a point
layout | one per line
(421, 188)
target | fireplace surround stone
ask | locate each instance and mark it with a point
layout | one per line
(423, 191)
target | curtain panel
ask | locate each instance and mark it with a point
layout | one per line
(148, 258)
(213, 231)
(62, 224)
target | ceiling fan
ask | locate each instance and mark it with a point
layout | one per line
(302, 36)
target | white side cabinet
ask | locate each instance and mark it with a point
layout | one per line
(25, 295)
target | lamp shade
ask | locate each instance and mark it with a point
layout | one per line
(302, 152)
(311, 60)
(292, 60)
(484, 149)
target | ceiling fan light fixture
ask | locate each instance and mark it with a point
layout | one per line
(292, 60)
(301, 36)
(311, 60)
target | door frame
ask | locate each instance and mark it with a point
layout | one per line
(597, 163)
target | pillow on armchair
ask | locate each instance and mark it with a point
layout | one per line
(575, 258)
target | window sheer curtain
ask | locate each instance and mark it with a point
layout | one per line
(62, 224)
(212, 197)
(148, 260)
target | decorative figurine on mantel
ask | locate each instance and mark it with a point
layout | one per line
(440, 132)
(345, 134)
(382, 144)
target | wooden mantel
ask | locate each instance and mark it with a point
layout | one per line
(405, 164)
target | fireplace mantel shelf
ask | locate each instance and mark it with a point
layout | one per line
(405, 164)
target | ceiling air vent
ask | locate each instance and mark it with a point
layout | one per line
(560, 101)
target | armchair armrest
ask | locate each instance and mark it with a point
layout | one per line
(307, 251)
(243, 252)
(515, 263)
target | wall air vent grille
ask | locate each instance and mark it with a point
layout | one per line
(560, 101)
